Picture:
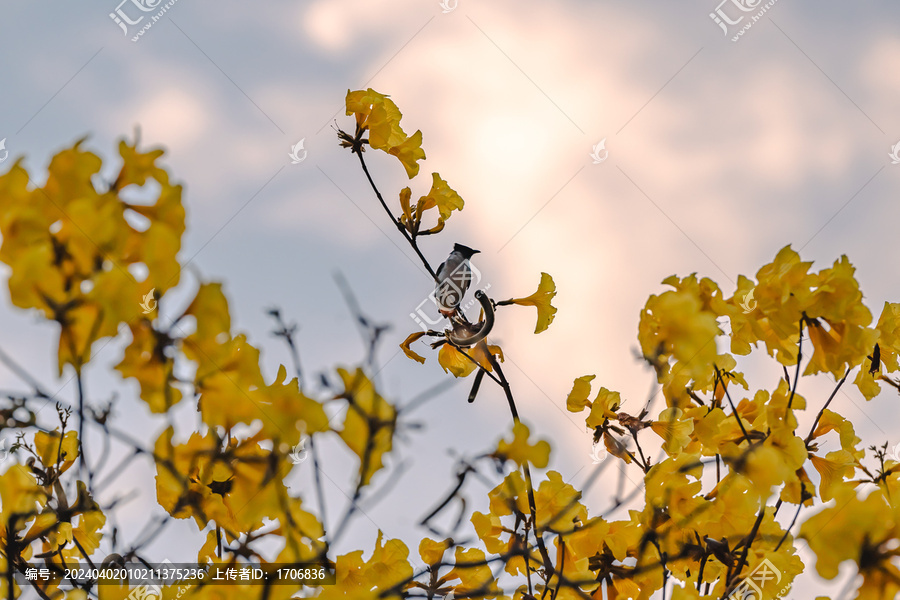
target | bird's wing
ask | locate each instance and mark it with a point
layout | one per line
(440, 268)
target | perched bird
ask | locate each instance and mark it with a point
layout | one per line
(453, 278)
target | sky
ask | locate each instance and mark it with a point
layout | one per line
(716, 153)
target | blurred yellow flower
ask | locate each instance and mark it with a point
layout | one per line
(368, 427)
(674, 429)
(577, 399)
(431, 551)
(356, 578)
(859, 530)
(520, 451)
(477, 580)
(56, 451)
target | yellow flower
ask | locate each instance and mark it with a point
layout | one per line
(462, 365)
(147, 361)
(520, 451)
(284, 411)
(837, 296)
(676, 325)
(409, 152)
(509, 496)
(19, 494)
(443, 197)
(673, 429)
(834, 471)
(488, 528)
(406, 349)
(889, 335)
(455, 362)
(380, 116)
(475, 581)
(70, 247)
(888, 328)
(377, 113)
(616, 447)
(839, 347)
(407, 219)
(368, 428)
(238, 487)
(356, 578)
(541, 300)
(431, 551)
(603, 407)
(860, 530)
(667, 485)
(55, 450)
(138, 166)
(573, 568)
(778, 300)
(832, 421)
(577, 399)
(557, 503)
(768, 465)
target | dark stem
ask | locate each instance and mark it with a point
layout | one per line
(720, 380)
(645, 464)
(528, 563)
(788, 530)
(797, 372)
(394, 220)
(320, 493)
(373, 425)
(288, 335)
(81, 416)
(532, 505)
(746, 551)
(821, 412)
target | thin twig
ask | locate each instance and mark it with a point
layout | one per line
(394, 220)
(821, 412)
(797, 372)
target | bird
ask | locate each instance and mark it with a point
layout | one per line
(453, 278)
